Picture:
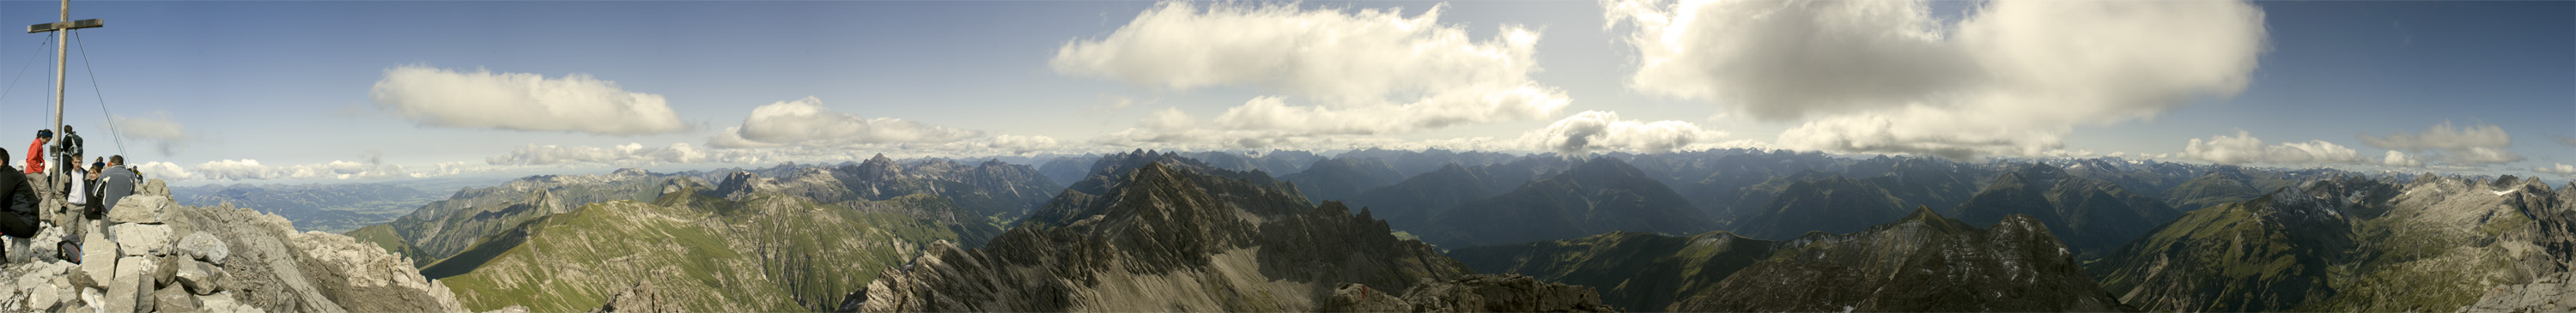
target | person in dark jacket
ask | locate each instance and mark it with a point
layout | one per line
(67, 151)
(20, 220)
(118, 182)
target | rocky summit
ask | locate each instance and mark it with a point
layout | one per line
(150, 254)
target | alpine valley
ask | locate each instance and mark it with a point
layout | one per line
(1441, 231)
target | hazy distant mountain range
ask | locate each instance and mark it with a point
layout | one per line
(1727, 230)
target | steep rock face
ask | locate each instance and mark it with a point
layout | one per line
(1338, 179)
(2095, 215)
(1600, 195)
(1162, 238)
(2351, 244)
(1832, 205)
(1410, 204)
(1639, 271)
(2258, 255)
(1472, 293)
(220, 259)
(1924, 263)
(770, 252)
(2550, 294)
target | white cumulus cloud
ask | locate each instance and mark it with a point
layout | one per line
(165, 135)
(2244, 148)
(805, 122)
(2558, 168)
(630, 154)
(521, 101)
(246, 169)
(2401, 159)
(1365, 72)
(2011, 78)
(1604, 131)
(2472, 145)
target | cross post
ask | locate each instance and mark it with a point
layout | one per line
(62, 30)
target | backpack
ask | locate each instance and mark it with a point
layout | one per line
(71, 146)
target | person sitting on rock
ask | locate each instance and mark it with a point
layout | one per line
(21, 218)
(118, 182)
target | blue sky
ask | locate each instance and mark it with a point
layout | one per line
(289, 83)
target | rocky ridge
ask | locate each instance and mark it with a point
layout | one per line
(1162, 237)
(150, 254)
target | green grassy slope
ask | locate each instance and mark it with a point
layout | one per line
(770, 253)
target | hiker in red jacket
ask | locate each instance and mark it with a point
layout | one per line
(36, 152)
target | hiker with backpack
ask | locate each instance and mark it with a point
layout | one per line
(67, 150)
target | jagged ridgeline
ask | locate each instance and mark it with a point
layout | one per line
(1157, 232)
(746, 242)
(1920, 263)
(2357, 244)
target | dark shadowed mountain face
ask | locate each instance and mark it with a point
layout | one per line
(1924, 263)
(1833, 205)
(2095, 215)
(1635, 271)
(1410, 204)
(1600, 195)
(1163, 238)
(1340, 178)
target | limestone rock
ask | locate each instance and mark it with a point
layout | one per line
(205, 247)
(1352, 297)
(510, 309)
(145, 209)
(154, 187)
(200, 277)
(98, 255)
(223, 302)
(2550, 294)
(131, 289)
(173, 300)
(165, 270)
(1502, 293)
(141, 239)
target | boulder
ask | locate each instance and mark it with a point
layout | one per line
(222, 302)
(153, 187)
(98, 255)
(90, 298)
(165, 270)
(131, 289)
(205, 247)
(142, 239)
(1354, 297)
(144, 209)
(173, 300)
(200, 277)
